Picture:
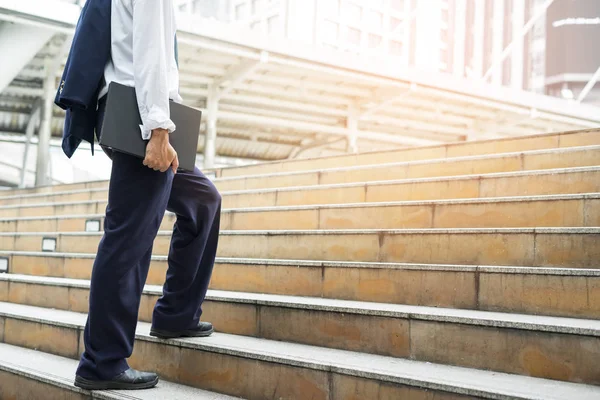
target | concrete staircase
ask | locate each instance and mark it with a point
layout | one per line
(463, 271)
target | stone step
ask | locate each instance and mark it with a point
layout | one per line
(542, 247)
(473, 339)
(563, 292)
(539, 142)
(257, 368)
(509, 162)
(529, 143)
(384, 171)
(30, 374)
(530, 183)
(579, 210)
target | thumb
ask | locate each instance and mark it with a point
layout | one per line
(175, 164)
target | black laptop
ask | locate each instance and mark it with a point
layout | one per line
(121, 126)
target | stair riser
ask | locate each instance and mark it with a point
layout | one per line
(519, 214)
(562, 296)
(528, 185)
(557, 356)
(565, 140)
(26, 387)
(230, 374)
(520, 249)
(527, 162)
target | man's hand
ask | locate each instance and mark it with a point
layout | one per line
(160, 155)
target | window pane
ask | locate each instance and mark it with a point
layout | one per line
(395, 48)
(353, 36)
(394, 25)
(374, 40)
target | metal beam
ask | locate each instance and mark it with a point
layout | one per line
(371, 108)
(317, 144)
(238, 74)
(22, 43)
(311, 128)
(589, 86)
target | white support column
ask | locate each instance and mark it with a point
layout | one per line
(43, 149)
(18, 45)
(497, 39)
(352, 125)
(478, 38)
(34, 121)
(210, 142)
(518, 21)
(460, 35)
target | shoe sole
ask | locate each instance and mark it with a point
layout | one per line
(184, 334)
(108, 385)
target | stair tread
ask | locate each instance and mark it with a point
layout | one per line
(324, 232)
(585, 272)
(484, 200)
(348, 168)
(558, 150)
(578, 326)
(555, 171)
(60, 371)
(428, 375)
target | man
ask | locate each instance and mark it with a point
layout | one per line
(143, 55)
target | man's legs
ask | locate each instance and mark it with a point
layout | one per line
(137, 200)
(197, 204)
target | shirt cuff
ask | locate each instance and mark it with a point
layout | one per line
(156, 119)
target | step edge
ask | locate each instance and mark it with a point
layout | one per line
(528, 322)
(361, 371)
(556, 150)
(316, 207)
(501, 269)
(557, 171)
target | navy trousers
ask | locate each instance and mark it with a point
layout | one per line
(137, 200)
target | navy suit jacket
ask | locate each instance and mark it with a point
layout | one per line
(83, 76)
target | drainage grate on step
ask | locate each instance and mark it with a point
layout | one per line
(3, 265)
(92, 225)
(49, 244)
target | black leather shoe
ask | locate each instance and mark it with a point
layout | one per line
(128, 380)
(203, 329)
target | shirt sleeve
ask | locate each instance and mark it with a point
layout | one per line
(151, 68)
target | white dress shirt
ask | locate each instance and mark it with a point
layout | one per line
(143, 56)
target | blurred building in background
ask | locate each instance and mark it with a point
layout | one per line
(536, 45)
(572, 54)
